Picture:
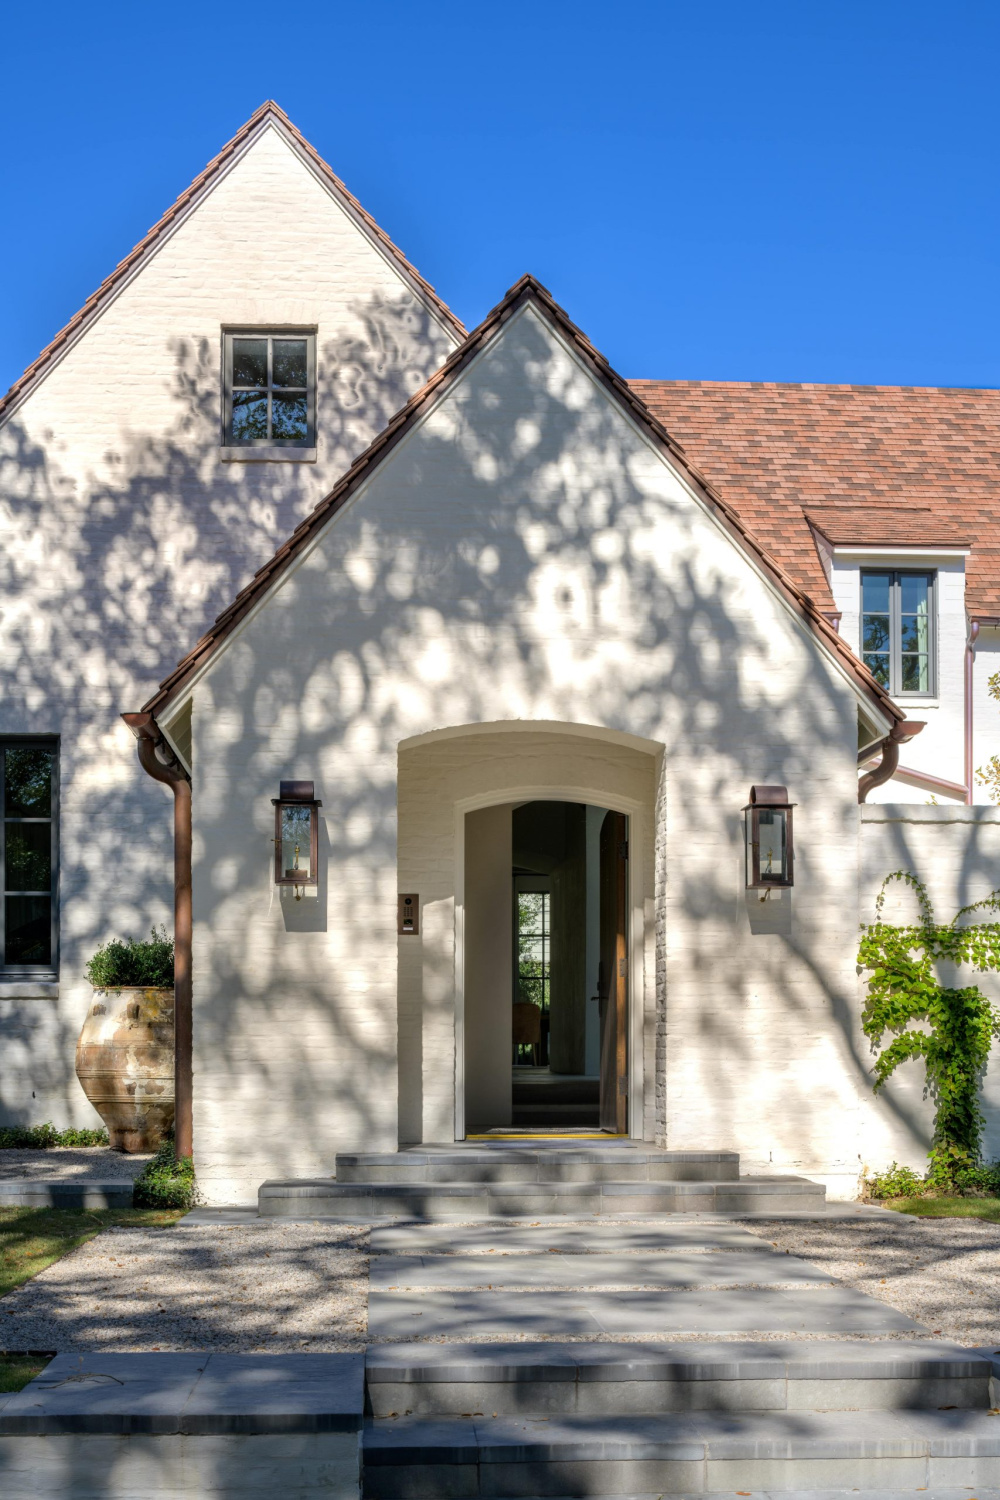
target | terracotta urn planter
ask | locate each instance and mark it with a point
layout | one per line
(125, 1063)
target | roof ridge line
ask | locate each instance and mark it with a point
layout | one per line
(268, 110)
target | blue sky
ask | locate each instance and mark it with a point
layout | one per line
(801, 191)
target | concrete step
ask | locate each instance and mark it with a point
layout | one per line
(70, 1192)
(622, 1380)
(513, 1164)
(691, 1453)
(359, 1201)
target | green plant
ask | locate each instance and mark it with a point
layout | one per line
(165, 1182)
(40, 1137)
(117, 964)
(961, 1023)
(894, 1182)
(989, 775)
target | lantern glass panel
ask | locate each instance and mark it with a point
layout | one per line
(772, 848)
(296, 841)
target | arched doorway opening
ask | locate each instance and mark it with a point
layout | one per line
(459, 792)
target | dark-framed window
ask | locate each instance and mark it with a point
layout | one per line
(29, 849)
(899, 629)
(269, 388)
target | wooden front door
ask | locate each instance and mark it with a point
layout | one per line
(612, 984)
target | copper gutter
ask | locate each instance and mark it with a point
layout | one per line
(887, 766)
(953, 788)
(146, 731)
(970, 656)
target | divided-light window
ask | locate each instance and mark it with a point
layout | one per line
(270, 389)
(28, 857)
(898, 628)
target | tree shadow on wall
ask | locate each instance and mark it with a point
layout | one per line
(108, 575)
(519, 574)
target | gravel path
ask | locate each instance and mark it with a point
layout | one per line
(945, 1273)
(261, 1287)
(98, 1163)
(281, 1287)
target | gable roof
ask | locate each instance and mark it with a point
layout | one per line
(870, 465)
(269, 114)
(527, 290)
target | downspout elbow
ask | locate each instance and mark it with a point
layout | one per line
(898, 735)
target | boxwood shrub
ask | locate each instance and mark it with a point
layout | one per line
(118, 964)
(165, 1182)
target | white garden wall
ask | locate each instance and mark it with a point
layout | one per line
(956, 852)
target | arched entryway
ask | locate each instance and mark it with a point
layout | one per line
(462, 794)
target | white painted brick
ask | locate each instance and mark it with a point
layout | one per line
(122, 534)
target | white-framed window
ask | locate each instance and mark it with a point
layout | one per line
(29, 863)
(269, 388)
(899, 629)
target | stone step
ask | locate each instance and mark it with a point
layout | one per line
(575, 1379)
(69, 1192)
(359, 1201)
(515, 1165)
(691, 1453)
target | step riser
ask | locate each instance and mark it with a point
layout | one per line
(683, 1476)
(542, 1172)
(628, 1398)
(352, 1207)
(447, 1200)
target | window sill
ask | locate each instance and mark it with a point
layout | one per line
(29, 989)
(265, 455)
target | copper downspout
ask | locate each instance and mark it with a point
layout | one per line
(145, 729)
(898, 735)
(970, 656)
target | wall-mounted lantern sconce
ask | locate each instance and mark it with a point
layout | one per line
(296, 835)
(768, 819)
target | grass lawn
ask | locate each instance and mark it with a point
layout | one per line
(16, 1372)
(948, 1208)
(32, 1238)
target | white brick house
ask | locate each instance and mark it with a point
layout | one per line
(524, 593)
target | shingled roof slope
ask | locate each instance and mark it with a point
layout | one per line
(905, 465)
(523, 291)
(268, 112)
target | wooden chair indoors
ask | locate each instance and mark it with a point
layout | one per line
(526, 1021)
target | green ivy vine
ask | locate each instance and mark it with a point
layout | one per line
(960, 1023)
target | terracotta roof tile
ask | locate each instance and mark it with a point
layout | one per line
(893, 465)
(268, 110)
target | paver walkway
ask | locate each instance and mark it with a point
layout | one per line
(511, 1282)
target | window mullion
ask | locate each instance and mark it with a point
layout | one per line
(270, 384)
(895, 636)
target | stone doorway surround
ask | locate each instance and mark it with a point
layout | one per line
(442, 777)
